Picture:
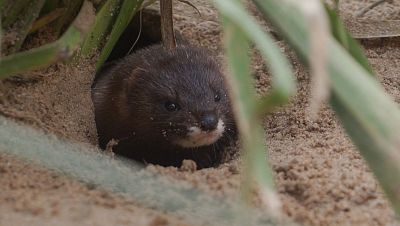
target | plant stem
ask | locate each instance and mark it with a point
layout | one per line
(167, 25)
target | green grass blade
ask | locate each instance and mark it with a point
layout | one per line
(346, 40)
(50, 5)
(359, 100)
(369, 143)
(25, 21)
(71, 10)
(105, 18)
(147, 189)
(1, 8)
(1, 35)
(128, 10)
(372, 120)
(283, 81)
(11, 10)
(45, 55)
(45, 20)
(31, 60)
(244, 103)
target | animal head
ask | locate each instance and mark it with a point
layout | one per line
(183, 97)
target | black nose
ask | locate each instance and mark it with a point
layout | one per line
(209, 122)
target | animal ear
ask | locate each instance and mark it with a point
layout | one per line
(132, 78)
(128, 85)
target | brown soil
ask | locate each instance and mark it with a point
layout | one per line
(320, 176)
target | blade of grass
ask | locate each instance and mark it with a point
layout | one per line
(71, 10)
(283, 82)
(146, 188)
(105, 18)
(45, 20)
(357, 97)
(45, 55)
(346, 40)
(128, 10)
(1, 35)
(50, 5)
(385, 166)
(25, 21)
(12, 10)
(376, 124)
(1, 7)
(319, 33)
(256, 168)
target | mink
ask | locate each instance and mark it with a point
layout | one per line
(164, 107)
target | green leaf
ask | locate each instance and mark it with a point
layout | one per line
(364, 108)
(12, 10)
(128, 10)
(71, 10)
(344, 37)
(25, 20)
(244, 102)
(283, 82)
(105, 19)
(45, 55)
(148, 189)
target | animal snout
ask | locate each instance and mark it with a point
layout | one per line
(209, 122)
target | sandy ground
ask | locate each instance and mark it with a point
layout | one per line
(320, 176)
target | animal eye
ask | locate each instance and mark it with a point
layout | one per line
(170, 106)
(217, 98)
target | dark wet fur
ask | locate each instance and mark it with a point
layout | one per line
(130, 96)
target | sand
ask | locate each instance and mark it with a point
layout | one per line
(320, 176)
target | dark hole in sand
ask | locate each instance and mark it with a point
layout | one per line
(144, 30)
(150, 34)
